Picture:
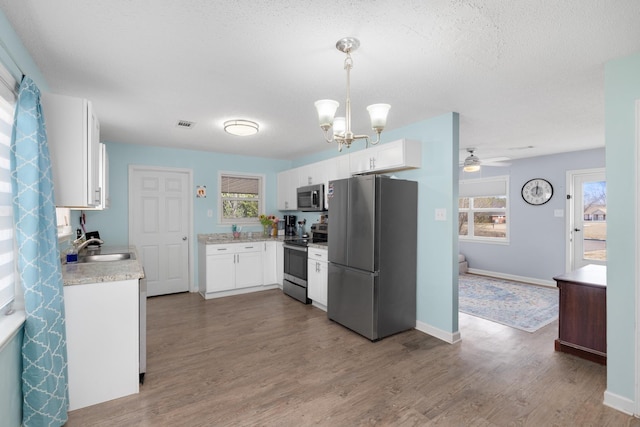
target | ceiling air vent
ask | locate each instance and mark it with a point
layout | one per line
(185, 124)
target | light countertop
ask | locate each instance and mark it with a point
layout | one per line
(225, 238)
(104, 271)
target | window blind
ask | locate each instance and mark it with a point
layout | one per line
(483, 187)
(7, 259)
(240, 185)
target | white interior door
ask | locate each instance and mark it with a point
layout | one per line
(160, 226)
(588, 229)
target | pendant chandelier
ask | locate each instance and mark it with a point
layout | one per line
(327, 108)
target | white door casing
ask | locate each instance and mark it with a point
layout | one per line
(160, 206)
(587, 239)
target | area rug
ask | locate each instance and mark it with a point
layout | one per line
(521, 306)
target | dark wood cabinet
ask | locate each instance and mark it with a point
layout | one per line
(583, 313)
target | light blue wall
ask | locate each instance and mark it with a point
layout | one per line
(622, 89)
(537, 238)
(437, 276)
(113, 223)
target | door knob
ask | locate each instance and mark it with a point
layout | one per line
(184, 238)
(576, 229)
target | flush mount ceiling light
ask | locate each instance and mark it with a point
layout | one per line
(241, 127)
(342, 125)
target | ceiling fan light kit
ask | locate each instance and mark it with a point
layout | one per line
(471, 163)
(327, 108)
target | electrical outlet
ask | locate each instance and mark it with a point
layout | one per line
(441, 214)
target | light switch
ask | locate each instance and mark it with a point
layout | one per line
(558, 213)
(441, 214)
(210, 213)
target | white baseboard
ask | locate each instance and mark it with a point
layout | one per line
(619, 403)
(533, 281)
(445, 336)
(240, 291)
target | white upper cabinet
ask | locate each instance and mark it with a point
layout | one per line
(103, 179)
(73, 134)
(287, 186)
(392, 156)
(313, 174)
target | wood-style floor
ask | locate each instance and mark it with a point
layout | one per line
(265, 359)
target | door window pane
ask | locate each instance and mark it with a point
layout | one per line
(594, 200)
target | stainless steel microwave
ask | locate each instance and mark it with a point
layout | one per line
(311, 198)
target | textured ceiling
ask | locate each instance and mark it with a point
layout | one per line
(525, 73)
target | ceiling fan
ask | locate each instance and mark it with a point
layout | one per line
(472, 162)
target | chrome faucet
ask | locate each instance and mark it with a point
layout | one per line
(84, 244)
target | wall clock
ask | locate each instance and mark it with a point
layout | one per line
(537, 191)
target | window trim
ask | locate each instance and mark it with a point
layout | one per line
(11, 324)
(473, 188)
(261, 197)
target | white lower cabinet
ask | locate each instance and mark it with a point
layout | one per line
(228, 267)
(101, 322)
(279, 263)
(269, 263)
(317, 277)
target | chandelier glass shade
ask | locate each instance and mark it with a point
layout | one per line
(326, 108)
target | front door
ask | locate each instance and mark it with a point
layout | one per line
(159, 226)
(589, 218)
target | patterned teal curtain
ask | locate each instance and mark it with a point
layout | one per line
(44, 348)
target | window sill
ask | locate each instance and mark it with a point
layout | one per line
(10, 325)
(479, 240)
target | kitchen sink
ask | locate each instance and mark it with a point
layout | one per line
(121, 256)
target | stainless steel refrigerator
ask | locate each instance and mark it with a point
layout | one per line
(372, 254)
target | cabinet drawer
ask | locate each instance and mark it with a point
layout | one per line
(220, 249)
(234, 248)
(249, 247)
(318, 254)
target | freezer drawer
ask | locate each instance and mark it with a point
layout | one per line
(352, 299)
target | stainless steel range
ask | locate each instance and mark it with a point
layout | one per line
(295, 269)
(295, 262)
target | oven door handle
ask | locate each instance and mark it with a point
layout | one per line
(295, 248)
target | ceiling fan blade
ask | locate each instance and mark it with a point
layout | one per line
(495, 159)
(499, 164)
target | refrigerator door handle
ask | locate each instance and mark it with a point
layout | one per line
(346, 267)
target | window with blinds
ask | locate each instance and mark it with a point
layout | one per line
(483, 209)
(241, 198)
(7, 248)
